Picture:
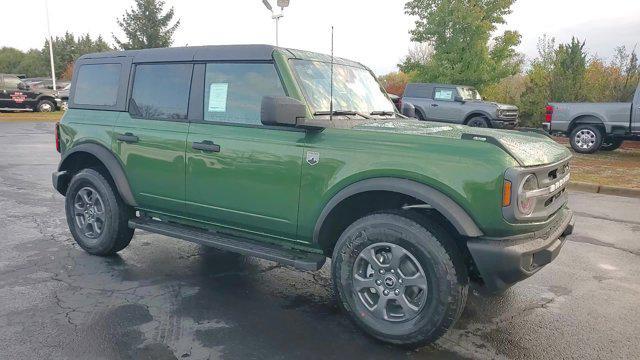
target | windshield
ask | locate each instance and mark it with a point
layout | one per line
(469, 93)
(354, 89)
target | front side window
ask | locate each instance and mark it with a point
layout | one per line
(161, 91)
(11, 82)
(97, 84)
(233, 92)
(469, 93)
(354, 88)
(443, 94)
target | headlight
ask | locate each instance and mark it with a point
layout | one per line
(499, 113)
(527, 204)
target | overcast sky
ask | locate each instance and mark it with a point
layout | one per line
(374, 32)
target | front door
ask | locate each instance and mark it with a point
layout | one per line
(14, 93)
(444, 107)
(150, 139)
(240, 174)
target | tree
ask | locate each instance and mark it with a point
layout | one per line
(394, 82)
(145, 26)
(459, 31)
(67, 49)
(567, 76)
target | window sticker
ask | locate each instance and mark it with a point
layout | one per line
(218, 97)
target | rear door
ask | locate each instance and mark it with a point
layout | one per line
(241, 174)
(444, 106)
(150, 138)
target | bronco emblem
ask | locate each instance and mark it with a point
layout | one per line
(313, 157)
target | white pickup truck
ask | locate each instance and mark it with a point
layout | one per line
(595, 126)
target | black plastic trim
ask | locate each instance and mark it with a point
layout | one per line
(453, 212)
(112, 164)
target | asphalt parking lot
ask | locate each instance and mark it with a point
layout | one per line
(164, 299)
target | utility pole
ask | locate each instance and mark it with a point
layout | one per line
(53, 68)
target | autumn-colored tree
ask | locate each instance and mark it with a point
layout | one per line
(394, 82)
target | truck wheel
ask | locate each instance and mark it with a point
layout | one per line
(419, 115)
(585, 139)
(96, 215)
(45, 106)
(478, 121)
(611, 144)
(399, 277)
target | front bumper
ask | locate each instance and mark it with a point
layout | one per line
(504, 124)
(546, 127)
(503, 262)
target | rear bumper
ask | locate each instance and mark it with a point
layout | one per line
(59, 180)
(503, 262)
(546, 127)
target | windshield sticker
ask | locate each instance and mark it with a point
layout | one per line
(218, 97)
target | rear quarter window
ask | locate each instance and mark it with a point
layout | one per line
(97, 84)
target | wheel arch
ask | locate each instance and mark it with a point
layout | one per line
(476, 113)
(587, 119)
(453, 213)
(91, 153)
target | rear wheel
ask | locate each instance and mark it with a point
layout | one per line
(45, 106)
(585, 139)
(611, 144)
(399, 277)
(96, 215)
(478, 121)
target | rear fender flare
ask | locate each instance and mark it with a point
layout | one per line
(110, 162)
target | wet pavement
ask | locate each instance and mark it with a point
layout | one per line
(164, 299)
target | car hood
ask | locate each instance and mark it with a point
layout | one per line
(528, 148)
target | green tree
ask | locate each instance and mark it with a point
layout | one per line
(567, 76)
(10, 58)
(145, 26)
(459, 31)
(67, 49)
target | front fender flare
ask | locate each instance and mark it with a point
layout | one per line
(109, 160)
(453, 212)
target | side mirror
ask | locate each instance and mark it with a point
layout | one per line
(408, 110)
(458, 98)
(282, 110)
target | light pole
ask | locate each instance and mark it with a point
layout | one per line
(282, 4)
(53, 69)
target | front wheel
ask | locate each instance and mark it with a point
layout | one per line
(45, 106)
(478, 121)
(96, 215)
(399, 277)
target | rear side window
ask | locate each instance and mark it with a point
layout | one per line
(161, 91)
(233, 92)
(97, 84)
(443, 94)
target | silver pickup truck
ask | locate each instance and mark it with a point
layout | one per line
(458, 104)
(595, 126)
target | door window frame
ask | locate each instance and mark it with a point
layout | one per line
(131, 81)
(196, 102)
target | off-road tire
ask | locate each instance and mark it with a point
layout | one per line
(585, 131)
(611, 144)
(478, 121)
(115, 234)
(45, 106)
(434, 249)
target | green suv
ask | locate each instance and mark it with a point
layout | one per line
(294, 157)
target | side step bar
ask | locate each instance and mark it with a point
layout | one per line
(295, 258)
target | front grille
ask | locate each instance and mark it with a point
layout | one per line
(509, 114)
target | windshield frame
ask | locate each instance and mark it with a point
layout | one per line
(303, 89)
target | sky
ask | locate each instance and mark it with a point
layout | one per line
(374, 32)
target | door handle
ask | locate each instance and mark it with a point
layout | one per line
(207, 146)
(434, 105)
(128, 138)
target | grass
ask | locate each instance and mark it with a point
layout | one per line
(619, 168)
(30, 116)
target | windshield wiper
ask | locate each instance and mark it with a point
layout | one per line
(383, 113)
(342, 112)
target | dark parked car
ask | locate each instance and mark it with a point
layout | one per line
(15, 94)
